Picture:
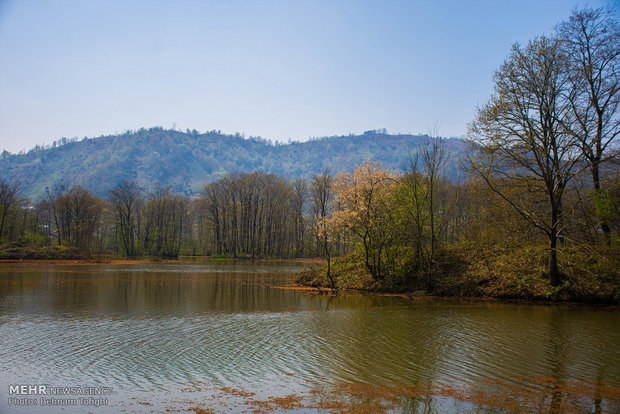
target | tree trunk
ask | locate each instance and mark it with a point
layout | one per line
(2, 221)
(554, 273)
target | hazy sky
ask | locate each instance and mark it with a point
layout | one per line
(276, 69)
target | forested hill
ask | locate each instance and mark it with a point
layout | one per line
(186, 160)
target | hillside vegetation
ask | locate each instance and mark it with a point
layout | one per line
(185, 161)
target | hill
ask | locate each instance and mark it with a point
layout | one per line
(186, 160)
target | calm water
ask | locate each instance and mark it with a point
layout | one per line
(154, 331)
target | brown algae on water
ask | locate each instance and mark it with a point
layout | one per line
(546, 394)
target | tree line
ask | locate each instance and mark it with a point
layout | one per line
(241, 215)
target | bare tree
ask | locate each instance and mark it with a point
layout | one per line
(8, 200)
(252, 214)
(522, 147)
(590, 40)
(76, 215)
(321, 199)
(166, 219)
(300, 194)
(413, 183)
(433, 159)
(126, 200)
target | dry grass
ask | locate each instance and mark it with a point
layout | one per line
(590, 274)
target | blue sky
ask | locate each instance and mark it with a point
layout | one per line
(276, 69)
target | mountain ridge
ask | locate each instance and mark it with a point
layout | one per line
(187, 160)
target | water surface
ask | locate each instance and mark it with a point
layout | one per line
(153, 332)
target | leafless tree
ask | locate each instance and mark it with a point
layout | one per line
(321, 201)
(8, 201)
(521, 144)
(434, 157)
(76, 215)
(251, 214)
(590, 41)
(126, 200)
(300, 195)
(166, 220)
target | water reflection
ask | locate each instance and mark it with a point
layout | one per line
(156, 326)
(131, 291)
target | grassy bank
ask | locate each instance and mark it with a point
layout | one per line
(508, 272)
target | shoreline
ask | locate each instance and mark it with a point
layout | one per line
(81, 261)
(513, 274)
(299, 287)
(111, 261)
(429, 297)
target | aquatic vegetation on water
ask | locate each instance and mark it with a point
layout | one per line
(544, 394)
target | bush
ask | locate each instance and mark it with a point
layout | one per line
(21, 251)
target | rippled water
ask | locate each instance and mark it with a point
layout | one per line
(151, 330)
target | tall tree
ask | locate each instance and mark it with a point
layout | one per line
(126, 200)
(8, 200)
(300, 194)
(590, 40)
(166, 220)
(433, 159)
(321, 199)
(522, 147)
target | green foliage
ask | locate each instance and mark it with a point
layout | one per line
(34, 239)
(21, 251)
(222, 256)
(607, 202)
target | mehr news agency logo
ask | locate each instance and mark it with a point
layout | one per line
(45, 395)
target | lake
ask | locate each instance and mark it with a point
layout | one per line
(234, 336)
